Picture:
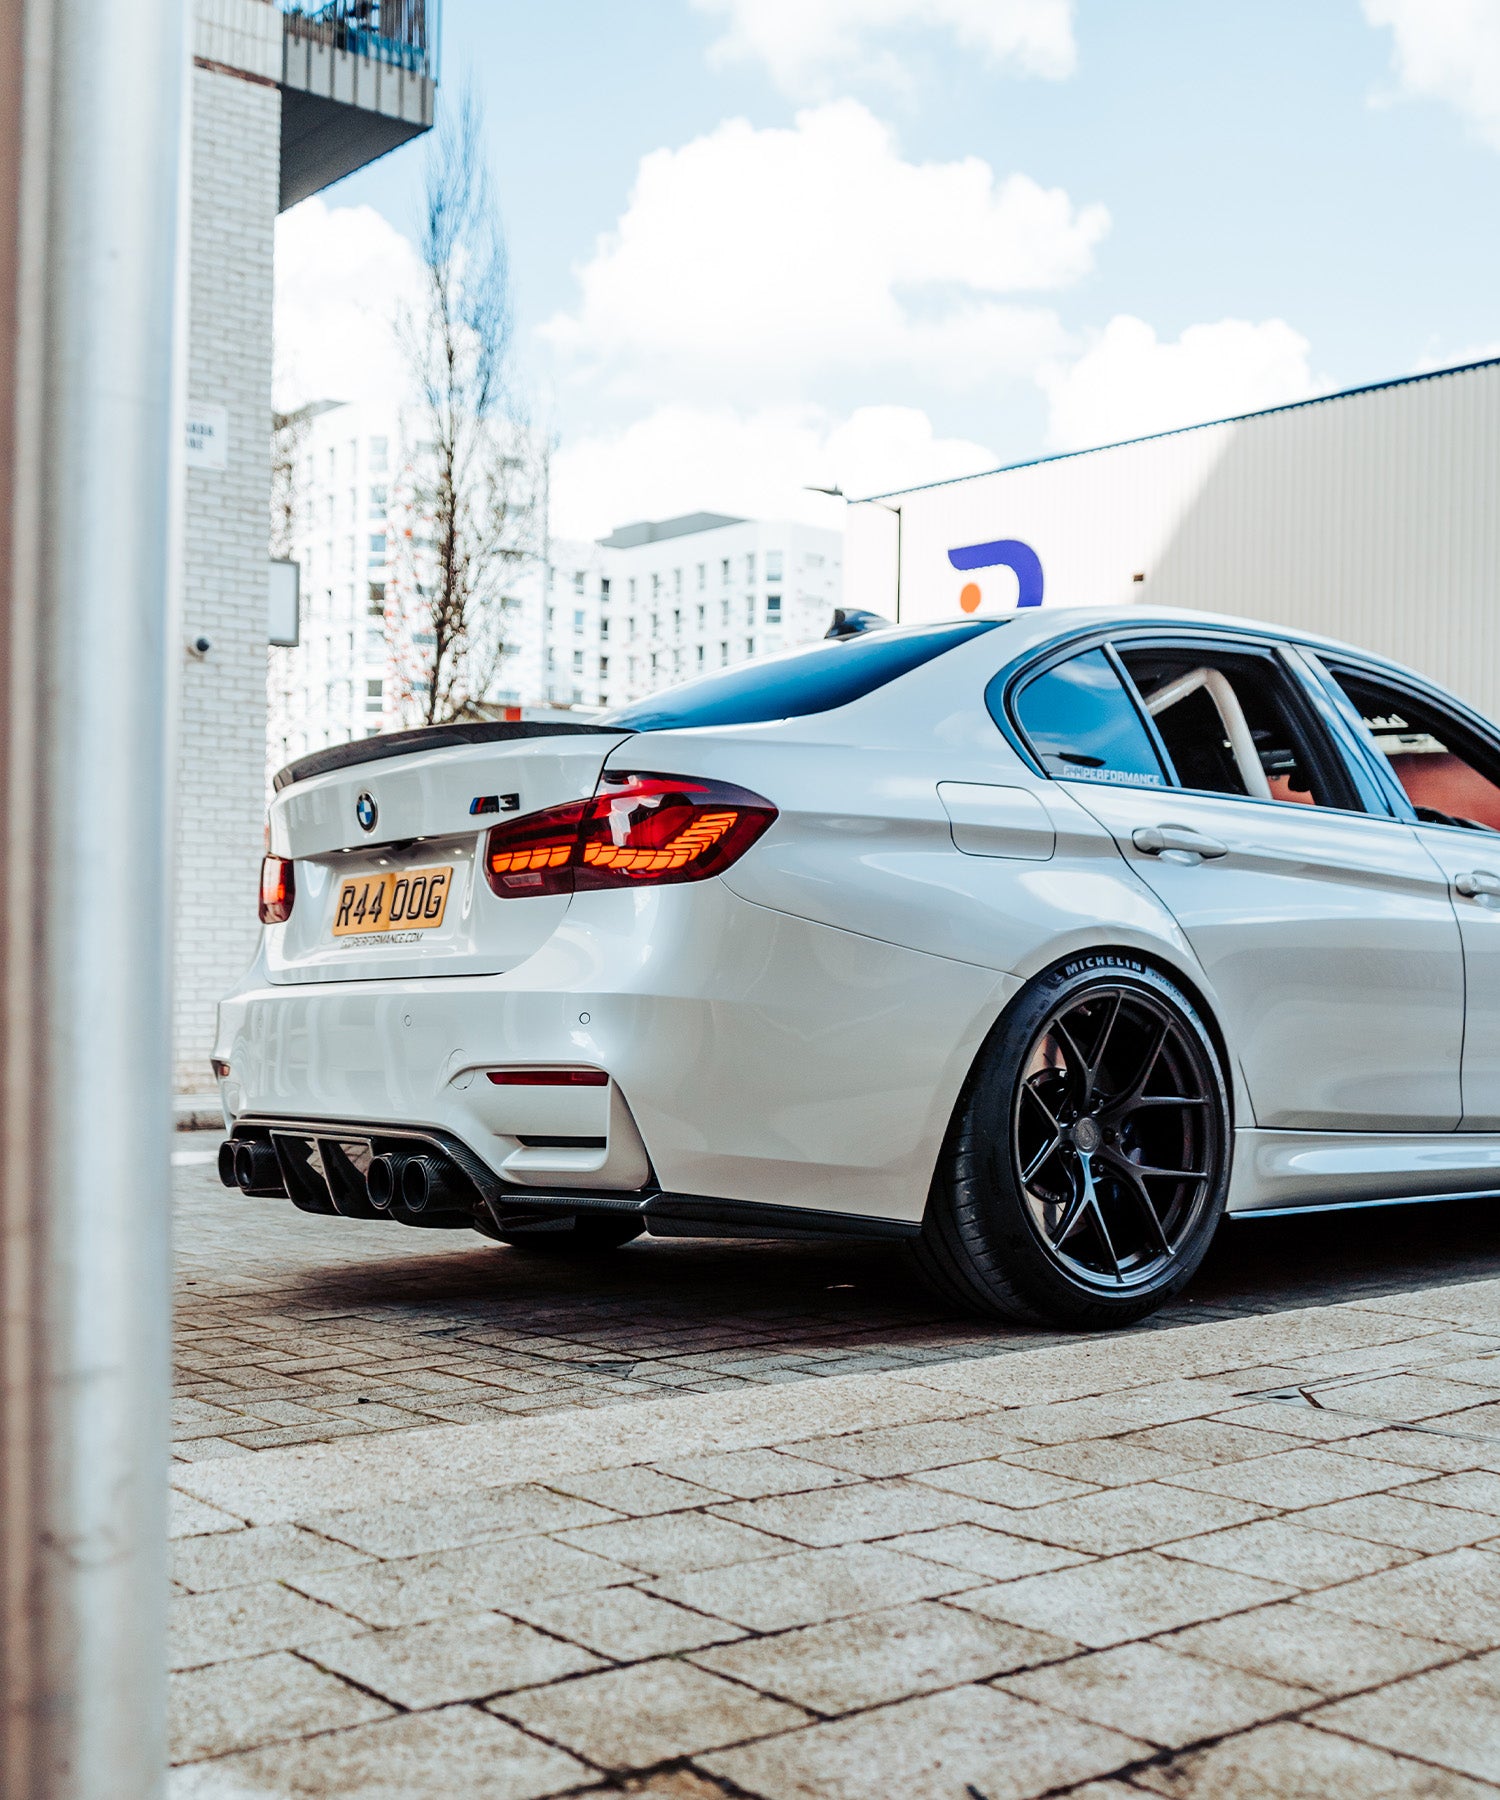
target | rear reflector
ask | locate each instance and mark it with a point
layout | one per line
(549, 1077)
(277, 890)
(638, 830)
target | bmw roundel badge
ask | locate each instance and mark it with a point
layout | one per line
(366, 811)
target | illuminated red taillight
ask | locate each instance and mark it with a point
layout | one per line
(548, 1077)
(638, 830)
(277, 890)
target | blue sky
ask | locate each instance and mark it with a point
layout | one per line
(881, 240)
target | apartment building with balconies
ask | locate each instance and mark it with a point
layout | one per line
(287, 97)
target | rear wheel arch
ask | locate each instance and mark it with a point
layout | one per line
(1163, 966)
(961, 1253)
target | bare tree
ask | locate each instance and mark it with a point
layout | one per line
(288, 437)
(468, 512)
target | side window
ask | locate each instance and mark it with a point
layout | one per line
(1449, 774)
(1232, 724)
(1081, 723)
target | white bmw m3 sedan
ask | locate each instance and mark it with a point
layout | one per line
(1039, 942)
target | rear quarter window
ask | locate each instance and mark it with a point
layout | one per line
(813, 680)
(1082, 725)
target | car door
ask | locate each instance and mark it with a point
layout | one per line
(1324, 928)
(1445, 765)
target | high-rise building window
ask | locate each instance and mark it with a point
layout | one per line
(773, 609)
(631, 589)
(378, 453)
(677, 621)
(723, 653)
(773, 565)
(702, 617)
(750, 610)
(578, 581)
(655, 586)
(578, 618)
(604, 628)
(655, 625)
(377, 502)
(725, 610)
(750, 567)
(577, 662)
(700, 656)
(377, 546)
(603, 668)
(724, 571)
(702, 576)
(749, 646)
(377, 599)
(677, 581)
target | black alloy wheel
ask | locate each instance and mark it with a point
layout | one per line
(1087, 1167)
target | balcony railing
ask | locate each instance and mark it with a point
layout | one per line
(401, 33)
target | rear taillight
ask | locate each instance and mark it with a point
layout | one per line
(277, 890)
(638, 830)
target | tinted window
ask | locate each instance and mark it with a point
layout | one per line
(813, 680)
(1081, 723)
(1450, 777)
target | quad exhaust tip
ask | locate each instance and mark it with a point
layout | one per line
(251, 1167)
(383, 1181)
(407, 1185)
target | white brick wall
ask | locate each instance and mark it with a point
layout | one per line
(222, 744)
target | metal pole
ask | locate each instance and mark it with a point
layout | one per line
(90, 148)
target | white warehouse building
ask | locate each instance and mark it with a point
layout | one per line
(1371, 515)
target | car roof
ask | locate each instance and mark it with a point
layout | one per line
(1058, 623)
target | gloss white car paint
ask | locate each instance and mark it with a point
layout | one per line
(797, 1031)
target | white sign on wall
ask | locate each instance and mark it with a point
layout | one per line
(207, 440)
(285, 602)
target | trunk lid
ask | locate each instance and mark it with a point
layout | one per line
(363, 834)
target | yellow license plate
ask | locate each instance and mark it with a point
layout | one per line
(376, 904)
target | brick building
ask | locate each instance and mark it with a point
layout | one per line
(286, 98)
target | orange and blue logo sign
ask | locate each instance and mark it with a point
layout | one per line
(1003, 553)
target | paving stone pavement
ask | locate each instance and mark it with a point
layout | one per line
(1253, 1556)
(295, 1329)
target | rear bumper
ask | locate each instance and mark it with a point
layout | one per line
(753, 1056)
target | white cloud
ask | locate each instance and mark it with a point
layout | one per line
(1127, 383)
(806, 44)
(685, 459)
(1448, 50)
(341, 273)
(750, 261)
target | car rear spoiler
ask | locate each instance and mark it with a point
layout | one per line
(425, 737)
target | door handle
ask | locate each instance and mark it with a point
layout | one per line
(1164, 840)
(1476, 883)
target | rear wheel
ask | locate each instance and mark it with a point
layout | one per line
(581, 1234)
(1088, 1163)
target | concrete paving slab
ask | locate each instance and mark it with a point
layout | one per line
(259, 1700)
(882, 1656)
(631, 1718)
(466, 1656)
(417, 1756)
(1151, 1692)
(969, 1739)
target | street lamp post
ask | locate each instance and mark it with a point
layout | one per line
(90, 159)
(838, 493)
